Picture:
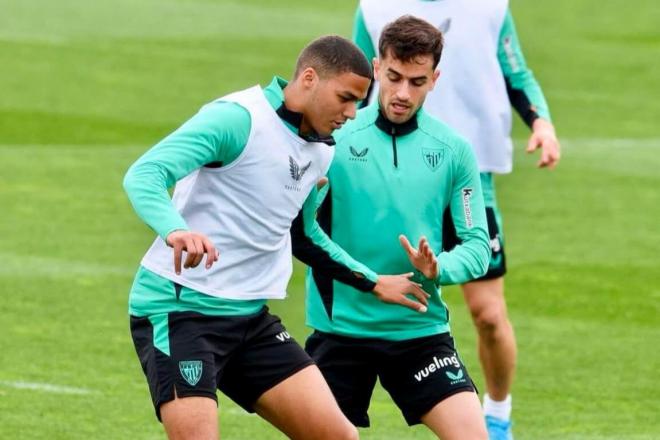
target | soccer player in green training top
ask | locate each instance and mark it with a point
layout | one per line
(484, 76)
(395, 172)
(244, 166)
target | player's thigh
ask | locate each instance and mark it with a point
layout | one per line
(272, 375)
(347, 364)
(458, 417)
(422, 372)
(302, 407)
(267, 356)
(486, 301)
(190, 418)
(180, 354)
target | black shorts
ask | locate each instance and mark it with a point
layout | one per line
(417, 373)
(195, 354)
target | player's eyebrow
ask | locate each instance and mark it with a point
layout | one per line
(415, 78)
(348, 95)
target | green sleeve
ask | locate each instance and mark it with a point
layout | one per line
(215, 136)
(362, 39)
(361, 36)
(312, 246)
(525, 92)
(468, 260)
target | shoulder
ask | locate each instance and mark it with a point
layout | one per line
(364, 119)
(223, 113)
(443, 135)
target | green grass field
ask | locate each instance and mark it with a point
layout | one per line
(85, 87)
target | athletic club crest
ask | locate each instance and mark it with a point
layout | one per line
(433, 158)
(191, 371)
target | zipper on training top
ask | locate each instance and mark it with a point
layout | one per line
(396, 159)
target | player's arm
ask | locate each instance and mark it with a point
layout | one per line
(312, 246)
(215, 136)
(468, 260)
(526, 96)
(363, 40)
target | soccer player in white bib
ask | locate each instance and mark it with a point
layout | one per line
(245, 166)
(483, 74)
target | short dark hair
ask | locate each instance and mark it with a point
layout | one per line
(333, 55)
(408, 37)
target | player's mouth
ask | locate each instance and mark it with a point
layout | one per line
(337, 124)
(399, 108)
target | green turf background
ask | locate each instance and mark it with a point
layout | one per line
(86, 86)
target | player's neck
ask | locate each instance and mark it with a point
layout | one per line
(295, 101)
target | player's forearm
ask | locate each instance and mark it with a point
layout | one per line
(465, 262)
(468, 260)
(312, 246)
(524, 91)
(146, 186)
(526, 97)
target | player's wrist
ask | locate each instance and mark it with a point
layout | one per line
(541, 125)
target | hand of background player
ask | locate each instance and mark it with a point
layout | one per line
(195, 245)
(422, 258)
(544, 137)
(394, 288)
(323, 181)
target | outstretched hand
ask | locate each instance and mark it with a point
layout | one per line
(422, 258)
(394, 288)
(196, 246)
(544, 137)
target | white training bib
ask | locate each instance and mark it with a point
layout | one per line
(470, 95)
(246, 208)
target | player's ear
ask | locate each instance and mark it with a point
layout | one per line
(376, 63)
(434, 78)
(309, 78)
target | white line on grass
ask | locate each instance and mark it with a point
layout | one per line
(47, 387)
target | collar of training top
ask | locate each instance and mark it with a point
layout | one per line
(393, 129)
(295, 119)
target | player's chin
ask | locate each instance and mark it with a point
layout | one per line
(327, 129)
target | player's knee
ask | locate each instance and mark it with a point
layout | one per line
(490, 320)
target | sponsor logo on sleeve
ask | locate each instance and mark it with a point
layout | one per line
(467, 210)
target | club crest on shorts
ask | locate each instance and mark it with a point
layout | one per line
(433, 157)
(191, 371)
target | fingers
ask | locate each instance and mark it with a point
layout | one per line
(191, 252)
(323, 181)
(419, 293)
(406, 245)
(211, 253)
(196, 246)
(421, 308)
(533, 143)
(178, 249)
(549, 154)
(425, 250)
